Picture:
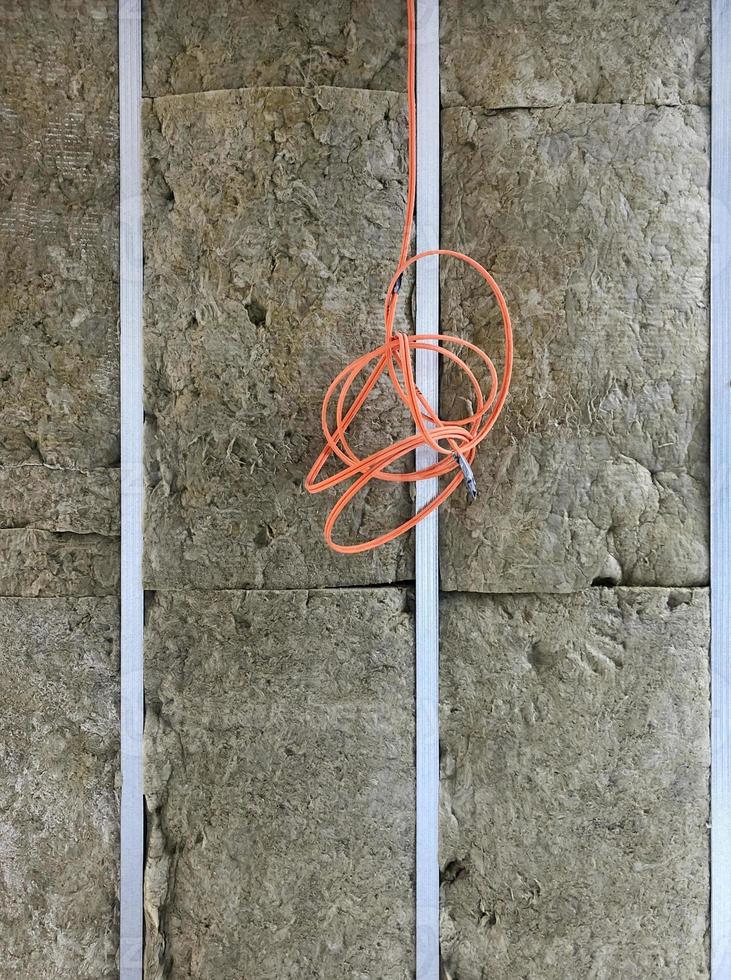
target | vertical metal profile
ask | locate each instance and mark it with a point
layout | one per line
(721, 493)
(131, 423)
(427, 556)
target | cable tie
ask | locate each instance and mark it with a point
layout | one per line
(397, 284)
(469, 476)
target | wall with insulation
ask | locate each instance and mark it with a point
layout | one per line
(279, 681)
(574, 712)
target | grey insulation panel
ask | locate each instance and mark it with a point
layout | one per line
(58, 789)
(575, 791)
(279, 785)
(506, 55)
(59, 442)
(595, 222)
(272, 222)
(224, 44)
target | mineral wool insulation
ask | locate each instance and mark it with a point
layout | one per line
(279, 758)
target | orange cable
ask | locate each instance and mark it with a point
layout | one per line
(395, 356)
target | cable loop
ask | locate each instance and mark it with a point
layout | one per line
(455, 442)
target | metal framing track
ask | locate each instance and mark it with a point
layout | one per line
(427, 553)
(131, 415)
(721, 493)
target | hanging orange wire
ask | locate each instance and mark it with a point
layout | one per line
(462, 436)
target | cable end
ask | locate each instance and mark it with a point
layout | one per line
(469, 477)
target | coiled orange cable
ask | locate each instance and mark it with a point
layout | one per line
(462, 436)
